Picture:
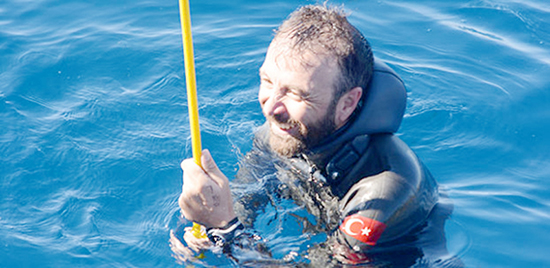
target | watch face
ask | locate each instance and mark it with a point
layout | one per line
(221, 236)
(218, 240)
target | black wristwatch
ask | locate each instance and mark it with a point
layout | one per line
(224, 235)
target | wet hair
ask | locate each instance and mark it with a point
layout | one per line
(325, 30)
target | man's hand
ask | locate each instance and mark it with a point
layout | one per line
(196, 244)
(205, 197)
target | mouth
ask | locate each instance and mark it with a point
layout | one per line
(284, 129)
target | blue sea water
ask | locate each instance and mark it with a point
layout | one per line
(93, 120)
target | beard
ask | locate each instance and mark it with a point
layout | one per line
(308, 135)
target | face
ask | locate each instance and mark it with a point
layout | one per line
(296, 97)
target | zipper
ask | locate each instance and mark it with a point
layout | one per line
(313, 169)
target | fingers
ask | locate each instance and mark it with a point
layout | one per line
(211, 168)
(196, 244)
(182, 252)
(205, 197)
(207, 162)
(189, 166)
(194, 180)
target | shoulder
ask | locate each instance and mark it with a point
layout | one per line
(369, 155)
(391, 186)
(396, 156)
(379, 196)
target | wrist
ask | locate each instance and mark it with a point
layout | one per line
(221, 236)
(222, 221)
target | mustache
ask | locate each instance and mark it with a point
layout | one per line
(283, 121)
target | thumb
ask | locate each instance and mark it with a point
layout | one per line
(211, 168)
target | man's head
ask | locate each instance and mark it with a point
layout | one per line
(313, 77)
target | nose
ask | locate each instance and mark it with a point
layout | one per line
(272, 103)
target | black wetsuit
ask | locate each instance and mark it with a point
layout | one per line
(369, 194)
(364, 186)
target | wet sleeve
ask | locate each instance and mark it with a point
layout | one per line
(377, 209)
(252, 187)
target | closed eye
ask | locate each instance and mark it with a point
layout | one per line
(264, 79)
(299, 95)
(265, 83)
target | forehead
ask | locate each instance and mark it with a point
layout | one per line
(299, 66)
(284, 50)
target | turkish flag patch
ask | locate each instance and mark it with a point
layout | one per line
(363, 229)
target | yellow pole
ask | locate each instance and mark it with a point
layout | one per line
(188, 57)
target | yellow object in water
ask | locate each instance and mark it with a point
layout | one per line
(189, 61)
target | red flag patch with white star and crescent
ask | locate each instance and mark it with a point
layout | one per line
(364, 229)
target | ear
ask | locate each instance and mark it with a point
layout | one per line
(346, 105)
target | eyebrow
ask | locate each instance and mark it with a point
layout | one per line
(298, 90)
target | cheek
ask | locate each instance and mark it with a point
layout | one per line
(299, 111)
(264, 95)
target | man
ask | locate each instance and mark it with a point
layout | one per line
(330, 111)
